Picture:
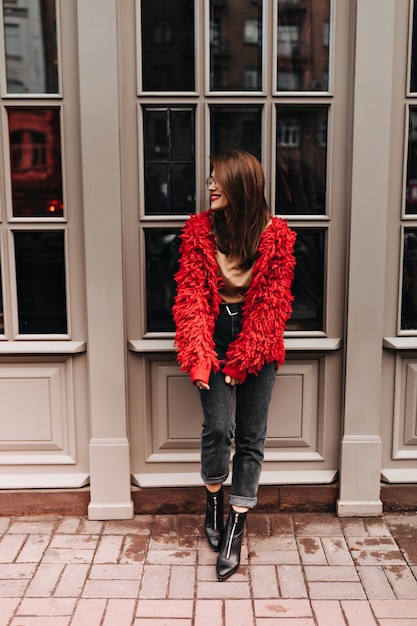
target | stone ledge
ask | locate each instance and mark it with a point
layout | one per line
(153, 501)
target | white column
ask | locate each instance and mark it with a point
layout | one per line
(99, 110)
(373, 39)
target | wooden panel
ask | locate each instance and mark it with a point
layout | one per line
(410, 426)
(36, 412)
(404, 443)
(294, 423)
(175, 407)
(294, 405)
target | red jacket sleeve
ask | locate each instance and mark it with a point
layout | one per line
(197, 301)
(267, 307)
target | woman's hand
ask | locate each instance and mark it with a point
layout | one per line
(201, 385)
(227, 379)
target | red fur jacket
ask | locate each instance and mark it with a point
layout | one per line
(265, 312)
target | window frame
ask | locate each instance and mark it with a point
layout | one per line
(268, 99)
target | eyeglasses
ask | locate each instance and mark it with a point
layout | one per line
(211, 181)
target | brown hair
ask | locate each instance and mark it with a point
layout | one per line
(237, 230)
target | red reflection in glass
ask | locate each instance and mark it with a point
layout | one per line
(35, 162)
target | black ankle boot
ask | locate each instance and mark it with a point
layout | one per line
(229, 558)
(213, 524)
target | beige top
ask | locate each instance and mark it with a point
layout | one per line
(236, 281)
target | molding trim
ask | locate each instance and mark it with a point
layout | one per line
(110, 490)
(110, 510)
(42, 347)
(278, 477)
(35, 480)
(399, 475)
(400, 343)
(359, 508)
(294, 344)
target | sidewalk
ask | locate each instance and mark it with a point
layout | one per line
(297, 569)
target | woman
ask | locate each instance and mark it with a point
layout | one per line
(232, 304)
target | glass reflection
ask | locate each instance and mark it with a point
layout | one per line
(409, 286)
(303, 39)
(411, 181)
(308, 285)
(301, 160)
(238, 127)
(35, 161)
(169, 138)
(161, 247)
(167, 45)
(236, 45)
(31, 46)
(40, 278)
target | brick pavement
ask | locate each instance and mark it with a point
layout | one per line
(297, 569)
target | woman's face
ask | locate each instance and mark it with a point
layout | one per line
(217, 199)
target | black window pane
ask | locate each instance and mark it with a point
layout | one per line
(182, 188)
(236, 45)
(236, 127)
(411, 181)
(31, 46)
(35, 161)
(301, 160)
(182, 135)
(303, 39)
(40, 278)
(413, 73)
(169, 160)
(308, 285)
(409, 287)
(167, 45)
(156, 186)
(161, 264)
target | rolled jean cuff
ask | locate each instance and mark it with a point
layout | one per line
(249, 503)
(214, 481)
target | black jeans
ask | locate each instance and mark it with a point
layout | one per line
(251, 403)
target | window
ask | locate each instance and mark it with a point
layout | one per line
(413, 60)
(409, 283)
(41, 284)
(35, 217)
(288, 136)
(250, 31)
(35, 161)
(162, 32)
(236, 126)
(161, 246)
(167, 38)
(408, 291)
(301, 159)
(169, 160)
(303, 37)
(31, 47)
(180, 130)
(229, 52)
